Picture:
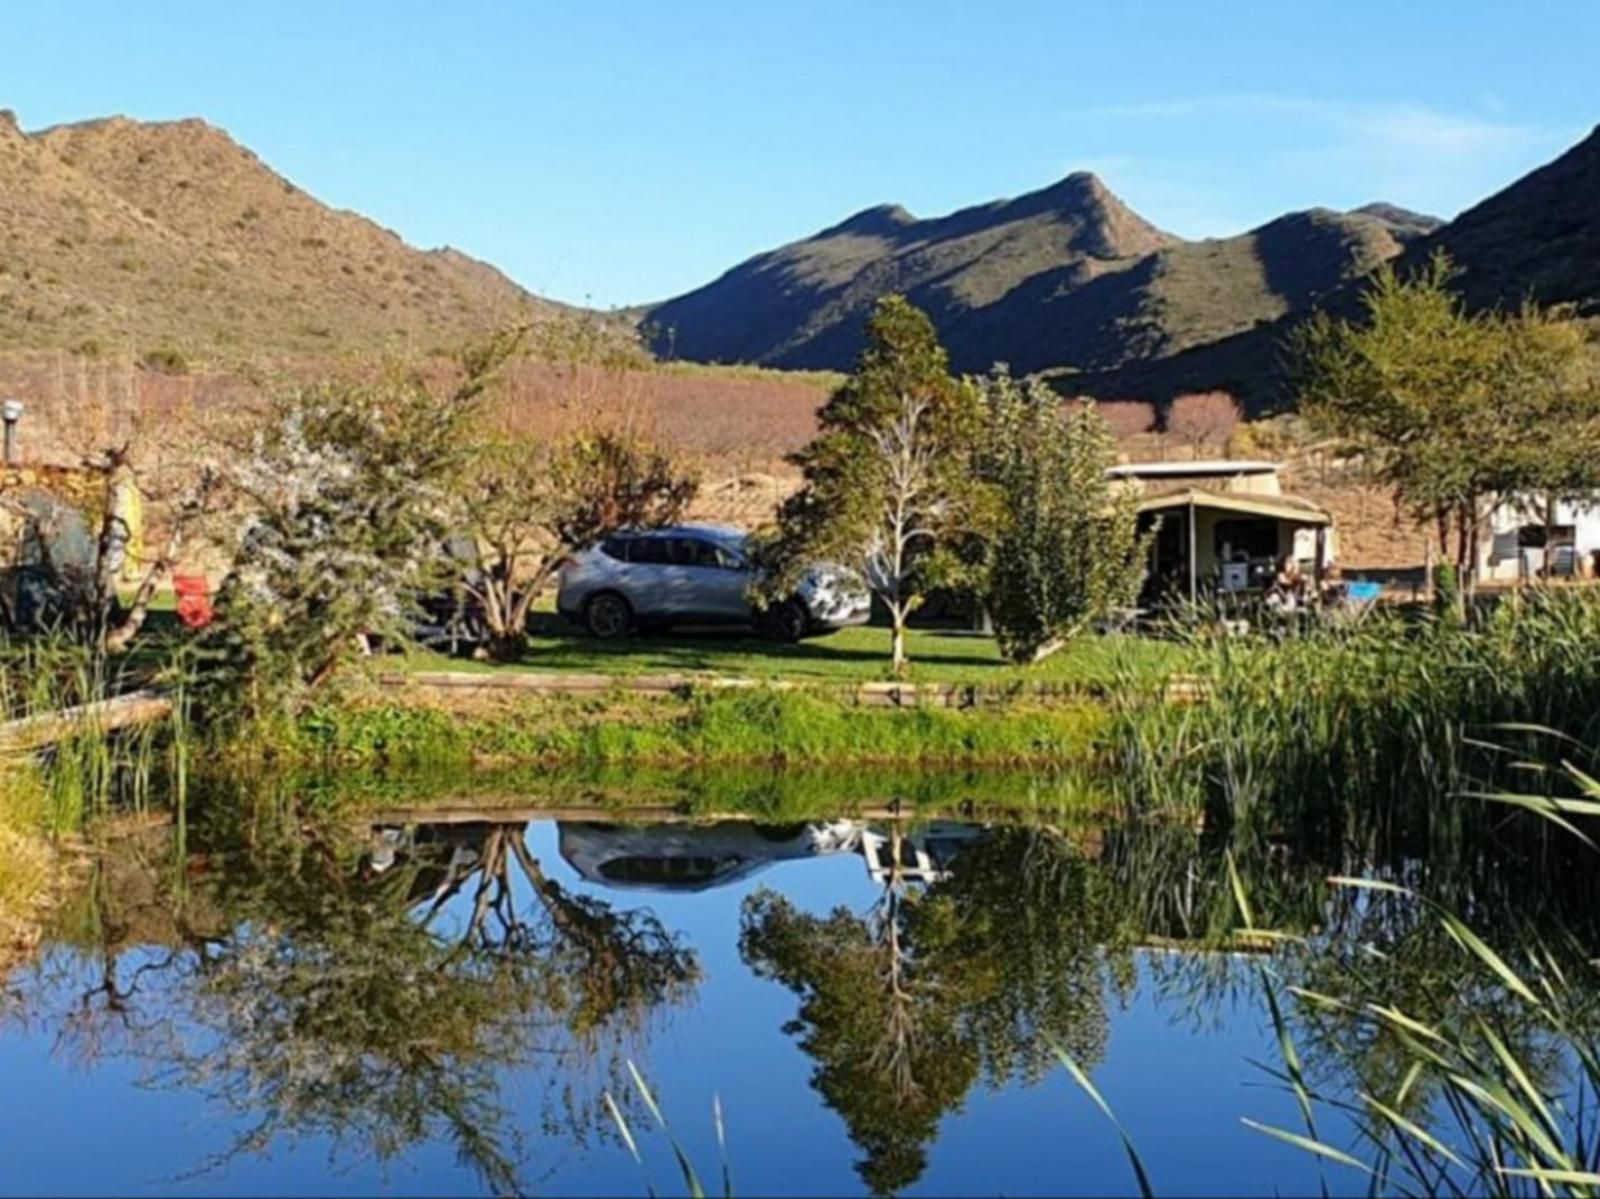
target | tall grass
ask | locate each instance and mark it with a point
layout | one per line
(759, 725)
(92, 769)
(1391, 717)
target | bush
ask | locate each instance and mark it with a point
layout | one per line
(165, 361)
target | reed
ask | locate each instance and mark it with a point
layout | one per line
(1392, 718)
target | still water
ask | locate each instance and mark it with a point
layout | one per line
(871, 1005)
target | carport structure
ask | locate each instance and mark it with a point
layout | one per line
(1206, 541)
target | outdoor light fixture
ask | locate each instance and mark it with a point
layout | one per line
(11, 413)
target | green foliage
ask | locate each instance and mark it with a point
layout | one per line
(1448, 599)
(345, 500)
(744, 726)
(889, 487)
(1455, 411)
(1068, 550)
(905, 1009)
(1383, 721)
(528, 506)
(327, 998)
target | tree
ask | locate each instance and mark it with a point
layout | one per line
(889, 1056)
(310, 992)
(1202, 418)
(344, 493)
(529, 506)
(1067, 550)
(981, 974)
(889, 487)
(1127, 418)
(1455, 411)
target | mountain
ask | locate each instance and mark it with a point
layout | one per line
(1067, 275)
(1537, 239)
(125, 234)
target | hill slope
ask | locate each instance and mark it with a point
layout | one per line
(1068, 274)
(1539, 238)
(125, 234)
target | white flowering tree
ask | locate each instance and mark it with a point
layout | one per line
(346, 496)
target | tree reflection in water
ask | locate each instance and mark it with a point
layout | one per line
(330, 1000)
(904, 1007)
(314, 987)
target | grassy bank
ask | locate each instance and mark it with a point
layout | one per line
(29, 866)
(768, 793)
(858, 655)
(731, 727)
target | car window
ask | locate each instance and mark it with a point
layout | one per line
(615, 547)
(654, 551)
(703, 553)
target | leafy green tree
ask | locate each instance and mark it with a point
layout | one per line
(890, 1058)
(312, 995)
(1457, 411)
(1067, 550)
(904, 1008)
(529, 506)
(889, 487)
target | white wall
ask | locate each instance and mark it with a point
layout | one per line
(1498, 555)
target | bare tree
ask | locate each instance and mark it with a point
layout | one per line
(1202, 418)
(1127, 418)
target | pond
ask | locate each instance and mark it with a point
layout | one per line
(271, 1003)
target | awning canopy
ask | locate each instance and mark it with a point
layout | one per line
(1290, 511)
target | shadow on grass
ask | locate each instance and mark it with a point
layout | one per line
(735, 649)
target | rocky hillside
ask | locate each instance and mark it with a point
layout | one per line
(1537, 239)
(1068, 275)
(119, 235)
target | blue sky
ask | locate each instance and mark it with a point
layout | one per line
(612, 153)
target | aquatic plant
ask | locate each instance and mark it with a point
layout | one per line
(1388, 718)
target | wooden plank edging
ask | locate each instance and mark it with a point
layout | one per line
(46, 728)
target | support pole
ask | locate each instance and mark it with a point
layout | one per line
(1194, 556)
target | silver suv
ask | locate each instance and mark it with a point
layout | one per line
(697, 575)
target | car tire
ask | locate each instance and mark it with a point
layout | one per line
(608, 616)
(786, 623)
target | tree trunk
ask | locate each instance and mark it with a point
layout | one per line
(897, 642)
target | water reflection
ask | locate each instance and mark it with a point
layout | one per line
(311, 987)
(377, 987)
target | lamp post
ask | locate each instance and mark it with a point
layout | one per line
(11, 413)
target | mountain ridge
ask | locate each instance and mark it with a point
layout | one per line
(1066, 274)
(1537, 238)
(124, 233)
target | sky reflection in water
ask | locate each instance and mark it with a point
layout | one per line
(140, 1094)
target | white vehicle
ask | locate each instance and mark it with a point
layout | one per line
(694, 857)
(698, 575)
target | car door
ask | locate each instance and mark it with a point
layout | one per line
(719, 580)
(648, 577)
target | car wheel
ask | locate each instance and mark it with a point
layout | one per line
(786, 623)
(608, 616)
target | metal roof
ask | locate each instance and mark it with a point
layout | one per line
(1207, 466)
(1284, 508)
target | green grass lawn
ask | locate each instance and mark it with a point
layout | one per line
(851, 655)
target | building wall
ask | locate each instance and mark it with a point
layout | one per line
(1499, 556)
